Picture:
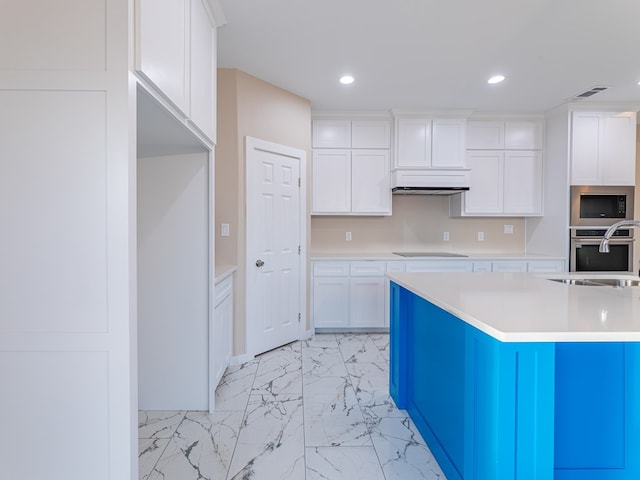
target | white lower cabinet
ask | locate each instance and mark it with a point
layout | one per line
(353, 294)
(222, 328)
(349, 295)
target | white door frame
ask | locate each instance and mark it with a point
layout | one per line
(252, 143)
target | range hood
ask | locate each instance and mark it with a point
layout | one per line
(428, 190)
(430, 181)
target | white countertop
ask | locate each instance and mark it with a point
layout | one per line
(391, 256)
(527, 307)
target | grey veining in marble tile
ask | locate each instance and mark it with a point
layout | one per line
(358, 348)
(371, 384)
(158, 423)
(201, 448)
(280, 371)
(149, 451)
(234, 388)
(353, 463)
(271, 441)
(321, 340)
(331, 413)
(402, 451)
(323, 362)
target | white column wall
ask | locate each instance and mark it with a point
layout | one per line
(67, 248)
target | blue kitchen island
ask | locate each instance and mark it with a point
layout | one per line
(516, 376)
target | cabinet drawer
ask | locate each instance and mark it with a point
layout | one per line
(396, 266)
(330, 269)
(545, 266)
(367, 268)
(440, 266)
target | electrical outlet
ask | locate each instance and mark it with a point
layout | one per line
(224, 229)
(347, 236)
(481, 236)
(445, 236)
(508, 229)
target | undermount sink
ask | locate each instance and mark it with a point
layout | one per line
(599, 282)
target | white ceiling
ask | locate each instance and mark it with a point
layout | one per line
(437, 54)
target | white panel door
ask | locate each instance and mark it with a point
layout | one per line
(274, 222)
(331, 181)
(619, 145)
(523, 182)
(367, 307)
(161, 47)
(485, 194)
(331, 302)
(370, 181)
(413, 143)
(448, 143)
(586, 148)
(202, 73)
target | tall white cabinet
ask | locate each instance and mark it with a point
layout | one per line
(68, 350)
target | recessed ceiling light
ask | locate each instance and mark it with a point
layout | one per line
(346, 80)
(495, 79)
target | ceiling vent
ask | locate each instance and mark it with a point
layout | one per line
(590, 93)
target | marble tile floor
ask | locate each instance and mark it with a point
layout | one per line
(312, 410)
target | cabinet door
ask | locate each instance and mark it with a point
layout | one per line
(330, 302)
(619, 145)
(331, 134)
(331, 177)
(523, 135)
(370, 134)
(448, 143)
(367, 301)
(161, 52)
(203, 76)
(370, 182)
(485, 195)
(485, 135)
(586, 148)
(413, 137)
(522, 183)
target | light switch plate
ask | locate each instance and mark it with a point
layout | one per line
(224, 229)
(508, 229)
(481, 236)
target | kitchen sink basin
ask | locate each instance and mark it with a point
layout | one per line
(599, 282)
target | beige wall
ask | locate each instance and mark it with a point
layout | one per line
(417, 223)
(248, 106)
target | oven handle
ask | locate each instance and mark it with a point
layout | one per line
(596, 241)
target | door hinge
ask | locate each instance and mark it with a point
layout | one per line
(299, 249)
(299, 317)
(299, 182)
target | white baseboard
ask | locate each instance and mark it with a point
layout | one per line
(240, 359)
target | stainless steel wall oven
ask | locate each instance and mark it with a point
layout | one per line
(585, 257)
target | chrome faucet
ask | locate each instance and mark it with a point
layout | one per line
(604, 244)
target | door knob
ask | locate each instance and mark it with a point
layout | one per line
(259, 263)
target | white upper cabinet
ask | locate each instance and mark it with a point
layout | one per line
(507, 135)
(430, 143)
(603, 148)
(331, 134)
(351, 134)
(503, 183)
(175, 54)
(203, 69)
(162, 47)
(351, 172)
(331, 178)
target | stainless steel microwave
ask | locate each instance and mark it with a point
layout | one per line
(600, 206)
